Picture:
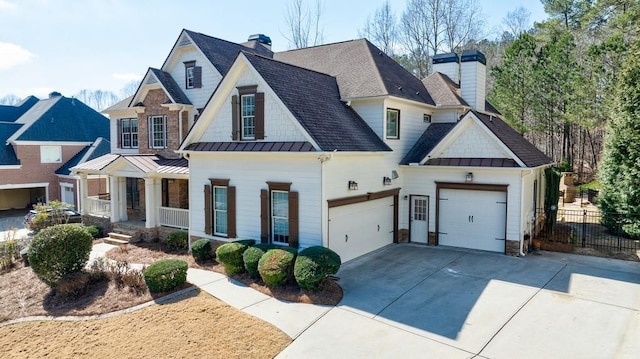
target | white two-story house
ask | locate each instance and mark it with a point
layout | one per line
(335, 145)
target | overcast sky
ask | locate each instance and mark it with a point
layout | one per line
(70, 45)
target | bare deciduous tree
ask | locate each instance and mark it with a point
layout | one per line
(417, 33)
(381, 29)
(462, 21)
(517, 21)
(97, 99)
(129, 89)
(303, 24)
(9, 99)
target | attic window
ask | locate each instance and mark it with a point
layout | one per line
(426, 118)
(193, 75)
(50, 154)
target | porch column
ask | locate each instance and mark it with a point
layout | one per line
(151, 201)
(84, 193)
(117, 187)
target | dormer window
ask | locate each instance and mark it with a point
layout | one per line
(193, 75)
(247, 114)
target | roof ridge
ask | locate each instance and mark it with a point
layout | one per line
(287, 64)
(216, 38)
(321, 45)
(375, 65)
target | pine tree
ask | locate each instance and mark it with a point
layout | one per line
(620, 170)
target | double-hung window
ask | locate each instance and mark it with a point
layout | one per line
(393, 123)
(280, 217)
(192, 75)
(248, 117)
(220, 211)
(157, 131)
(129, 132)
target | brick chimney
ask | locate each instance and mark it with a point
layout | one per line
(473, 78)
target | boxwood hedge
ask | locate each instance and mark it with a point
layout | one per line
(165, 275)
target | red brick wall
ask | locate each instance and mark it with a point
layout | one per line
(153, 107)
(32, 171)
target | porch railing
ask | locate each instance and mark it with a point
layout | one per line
(174, 217)
(98, 207)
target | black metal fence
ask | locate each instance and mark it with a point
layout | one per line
(584, 228)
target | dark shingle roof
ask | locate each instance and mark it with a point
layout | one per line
(251, 147)
(62, 119)
(429, 139)
(314, 99)
(523, 149)
(472, 162)
(7, 154)
(222, 53)
(362, 70)
(175, 93)
(99, 148)
(10, 113)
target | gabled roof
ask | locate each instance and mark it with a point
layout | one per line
(121, 105)
(97, 149)
(10, 113)
(314, 99)
(427, 142)
(361, 69)
(221, 53)
(251, 147)
(61, 119)
(523, 149)
(173, 90)
(526, 152)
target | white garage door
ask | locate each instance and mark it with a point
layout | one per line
(472, 219)
(359, 228)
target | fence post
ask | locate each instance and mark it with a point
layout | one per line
(584, 228)
(619, 224)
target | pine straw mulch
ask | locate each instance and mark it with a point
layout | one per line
(149, 252)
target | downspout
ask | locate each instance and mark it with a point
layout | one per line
(324, 214)
(521, 202)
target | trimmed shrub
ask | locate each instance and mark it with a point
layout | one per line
(201, 249)
(58, 251)
(246, 242)
(95, 231)
(8, 253)
(230, 256)
(313, 265)
(165, 275)
(275, 267)
(178, 241)
(251, 258)
(266, 246)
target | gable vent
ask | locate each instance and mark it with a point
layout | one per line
(151, 80)
(184, 41)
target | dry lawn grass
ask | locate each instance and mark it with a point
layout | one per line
(147, 253)
(199, 326)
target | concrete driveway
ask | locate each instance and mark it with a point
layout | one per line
(409, 301)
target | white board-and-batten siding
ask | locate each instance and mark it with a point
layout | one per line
(249, 173)
(279, 124)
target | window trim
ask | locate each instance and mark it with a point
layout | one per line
(273, 218)
(215, 211)
(130, 134)
(244, 118)
(152, 131)
(397, 126)
(46, 154)
(189, 69)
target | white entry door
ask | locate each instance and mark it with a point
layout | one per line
(419, 219)
(472, 219)
(67, 195)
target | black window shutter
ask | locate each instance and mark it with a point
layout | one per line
(208, 216)
(231, 212)
(235, 120)
(197, 76)
(259, 116)
(119, 140)
(293, 219)
(264, 216)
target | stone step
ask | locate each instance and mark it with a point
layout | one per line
(120, 236)
(115, 241)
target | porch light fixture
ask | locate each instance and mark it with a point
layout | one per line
(386, 181)
(394, 174)
(353, 185)
(469, 177)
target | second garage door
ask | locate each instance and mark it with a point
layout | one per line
(472, 219)
(359, 228)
